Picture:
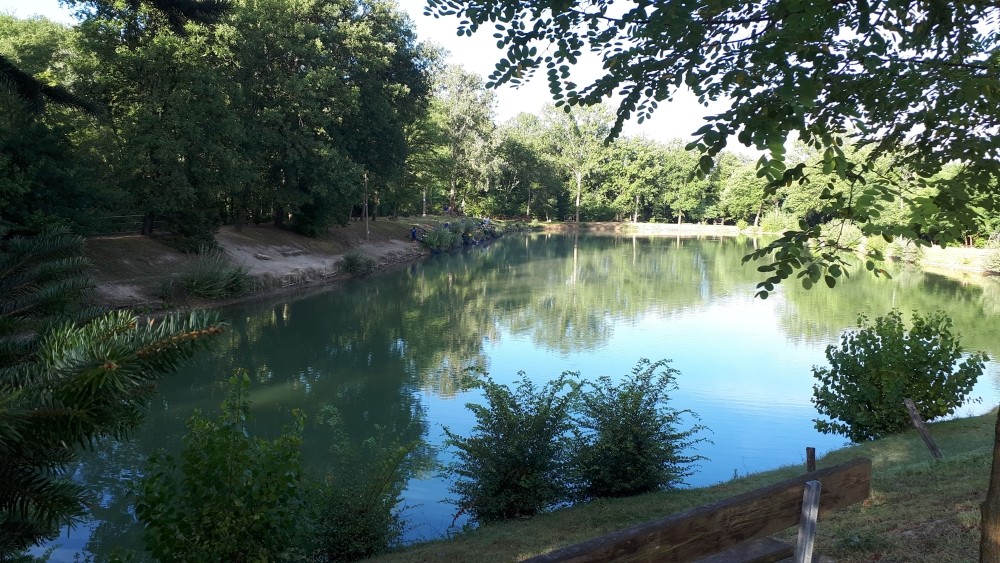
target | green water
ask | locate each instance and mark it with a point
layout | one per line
(390, 353)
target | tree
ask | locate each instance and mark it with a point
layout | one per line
(68, 378)
(468, 117)
(576, 137)
(35, 91)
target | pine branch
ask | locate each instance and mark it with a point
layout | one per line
(35, 93)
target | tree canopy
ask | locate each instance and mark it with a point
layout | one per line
(917, 81)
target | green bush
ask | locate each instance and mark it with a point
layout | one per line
(991, 262)
(516, 461)
(357, 515)
(630, 442)
(357, 263)
(876, 243)
(230, 497)
(844, 233)
(777, 222)
(882, 363)
(212, 275)
(441, 239)
(904, 250)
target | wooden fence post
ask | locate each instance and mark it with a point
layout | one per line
(919, 424)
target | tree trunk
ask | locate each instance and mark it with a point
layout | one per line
(579, 190)
(147, 224)
(364, 208)
(425, 201)
(989, 543)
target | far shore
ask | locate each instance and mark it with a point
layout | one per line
(130, 271)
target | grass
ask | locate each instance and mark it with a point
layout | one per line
(920, 510)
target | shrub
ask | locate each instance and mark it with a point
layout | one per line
(991, 262)
(878, 366)
(357, 515)
(846, 234)
(232, 497)
(211, 275)
(904, 250)
(516, 461)
(632, 444)
(441, 239)
(777, 222)
(357, 263)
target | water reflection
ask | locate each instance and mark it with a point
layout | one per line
(393, 353)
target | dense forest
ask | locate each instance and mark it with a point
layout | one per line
(304, 113)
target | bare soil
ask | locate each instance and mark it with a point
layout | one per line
(133, 271)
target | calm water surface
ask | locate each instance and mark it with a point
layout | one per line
(390, 353)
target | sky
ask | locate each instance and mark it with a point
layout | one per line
(677, 119)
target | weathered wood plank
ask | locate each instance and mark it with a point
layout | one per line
(807, 522)
(764, 550)
(711, 528)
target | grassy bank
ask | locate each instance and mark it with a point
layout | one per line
(920, 510)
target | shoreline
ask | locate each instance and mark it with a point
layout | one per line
(131, 271)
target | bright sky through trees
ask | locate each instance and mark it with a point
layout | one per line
(477, 54)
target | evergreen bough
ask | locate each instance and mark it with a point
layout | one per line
(68, 377)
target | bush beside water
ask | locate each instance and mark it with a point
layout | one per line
(882, 363)
(357, 263)
(533, 448)
(234, 497)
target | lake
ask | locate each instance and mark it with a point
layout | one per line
(392, 354)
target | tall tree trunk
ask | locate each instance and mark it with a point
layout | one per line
(364, 208)
(579, 190)
(989, 542)
(424, 190)
(147, 223)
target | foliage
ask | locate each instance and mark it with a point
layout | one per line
(68, 378)
(630, 443)
(882, 363)
(903, 79)
(776, 222)
(357, 513)
(441, 239)
(212, 274)
(516, 461)
(230, 497)
(534, 448)
(991, 262)
(904, 250)
(358, 263)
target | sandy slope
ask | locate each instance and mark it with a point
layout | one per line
(132, 271)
